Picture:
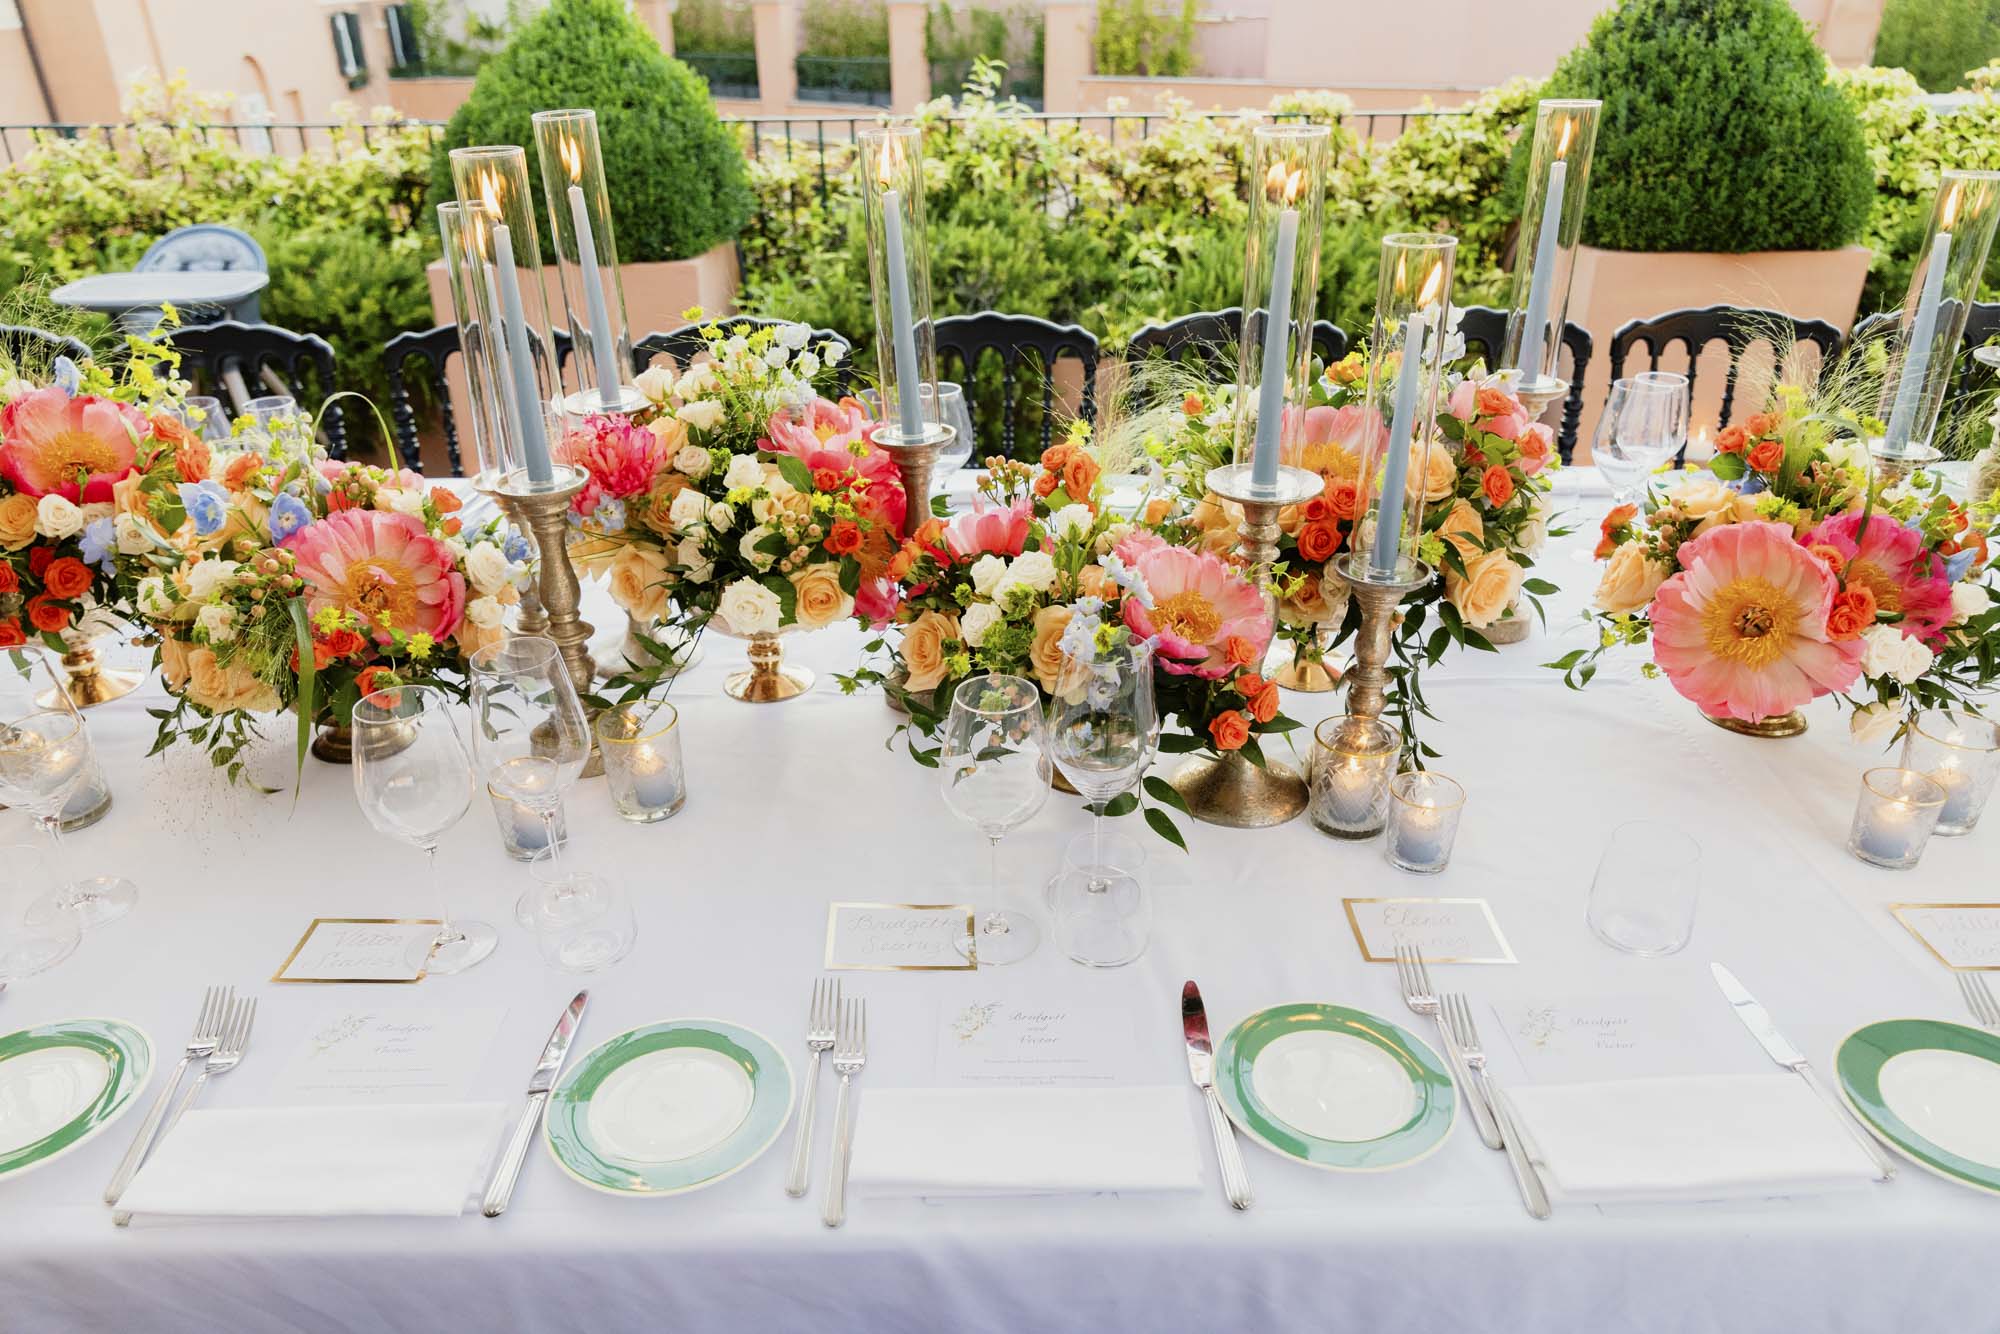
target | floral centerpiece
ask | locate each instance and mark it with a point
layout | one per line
(1782, 573)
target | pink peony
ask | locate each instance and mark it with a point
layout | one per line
(835, 438)
(385, 569)
(1885, 558)
(1741, 630)
(53, 444)
(1198, 603)
(987, 529)
(876, 600)
(1464, 401)
(620, 458)
(1136, 545)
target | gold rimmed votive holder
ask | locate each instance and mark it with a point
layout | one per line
(1894, 818)
(1423, 821)
(643, 766)
(1353, 760)
(1961, 754)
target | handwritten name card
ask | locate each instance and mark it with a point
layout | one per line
(361, 949)
(896, 936)
(1964, 936)
(1442, 930)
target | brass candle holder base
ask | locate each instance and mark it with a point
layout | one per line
(1368, 678)
(1229, 790)
(1309, 672)
(916, 461)
(333, 743)
(89, 682)
(544, 508)
(1895, 465)
(1776, 727)
(767, 680)
(530, 619)
(1536, 396)
(1257, 536)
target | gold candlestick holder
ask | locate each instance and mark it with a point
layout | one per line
(1307, 670)
(544, 507)
(1228, 789)
(1368, 678)
(1537, 395)
(915, 461)
(530, 619)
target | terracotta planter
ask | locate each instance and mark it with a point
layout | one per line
(1615, 286)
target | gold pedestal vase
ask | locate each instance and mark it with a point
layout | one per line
(768, 679)
(88, 681)
(544, 508)
(333, 743)
(1776, 727)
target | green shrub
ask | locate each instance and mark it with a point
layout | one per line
(1937, 41)
(1720, 131)
(678, 184)
(844, 29)
(1132, 39)
(714, 27)
(454, 39)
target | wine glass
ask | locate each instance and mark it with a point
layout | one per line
(994, 775)
(1102, 731)
(583, 920)
(45, 756)
(1644, 423)
(213, 425)
(414, 782)
(1642, 899)
(27, 946)
(529, 735)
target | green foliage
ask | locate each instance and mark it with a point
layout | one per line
(1133, 39)
(955, 40)
(681, 185)
(844, 29)
(1720, 131)
(1937, 41)
(455, 39)
(714, 27)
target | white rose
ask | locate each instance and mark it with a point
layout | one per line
(1535, 532)
(747, 548)
(205, 577)
(704, 414)
(695, 379)
(456, 548)
(976, 620)
(1033, 570)
(1874, 723)
(57, 517)
(655, 382)
(219, 620)
(764, 508)
(132, 539)
(1917, 659)
(692, 460)
(691, 556)
(400, 501)
(486, 612)
(793, 336)
(720, 516)
(688, 509)
(1968, 601)
(749, 608)
(97, 509)
(986, 573)
(1071, 521)
(153, 596)
(1889, 652)
(488, 568)
(744, 472)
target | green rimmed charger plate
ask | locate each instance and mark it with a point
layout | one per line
(1340, 1089)
(1939, 1105)
(64, 1082)
(669, 1108)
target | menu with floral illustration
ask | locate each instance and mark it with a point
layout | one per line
(1023, 1037)
(388, 1053)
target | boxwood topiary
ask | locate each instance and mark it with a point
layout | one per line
(1720, 131)
(678, 182)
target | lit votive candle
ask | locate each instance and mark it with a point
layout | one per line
(1962, 756)
(1353, 759)
(1894, 818)
(641, 745)
(522, 832)
(1423, 821)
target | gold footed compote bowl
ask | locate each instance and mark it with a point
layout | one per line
(768, 679)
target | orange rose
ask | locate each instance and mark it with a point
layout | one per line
(1263, 701)
(844, 537)
(1492, 401)
(1092, 582)
(1192, 405)
(1229, 730)
(1831, 555)
(1766, 456)
(1619, 516)
(17, 521)
(1045, 485)
(1731, 440)
(1239, 650)
(47, 616)
(1317, 541)
(899, 564)
(1054, 457)
(1853, 612)
(237, 475)
(928, 532)
(1341, 497)
(10, 634)
(1759, 424)
(66, 578)
(1079, 475)
(445, 501)
(1498, 486)
(1156, 510)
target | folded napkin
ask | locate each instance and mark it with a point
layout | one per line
(1023, 1141)
(415, 1160)
(1708, 1137)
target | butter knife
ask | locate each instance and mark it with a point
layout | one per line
(1758, 1020)
(501, 1189)
(1201, 1065)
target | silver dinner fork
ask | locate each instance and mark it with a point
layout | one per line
(228, 1052)
(1458, 1015)
(850, 1053)
(207, 1033)
(1979, 1000)
(819, 1037)
(1415, 979)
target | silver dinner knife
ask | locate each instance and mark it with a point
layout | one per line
(1201, 1064)
(508, 1170)
(1758, 1020)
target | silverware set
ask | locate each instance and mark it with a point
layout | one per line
(837, 1029)
(221, 1034)
(1979, 999)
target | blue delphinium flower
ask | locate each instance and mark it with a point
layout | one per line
(609, 516)
(99, 542)
(288, 515)
(67, 377)
(207, 504)
(1956, 564)
(1130, 580)
(517, 549)
(1078, 642)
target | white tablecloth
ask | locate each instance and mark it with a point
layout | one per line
(793, 806)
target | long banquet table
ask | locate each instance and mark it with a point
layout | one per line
(797, 805)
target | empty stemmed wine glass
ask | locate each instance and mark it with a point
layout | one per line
(1644, 423)
(45, 755)
(413, 780)
(1102, 730)
(29, 947)
(529, 735)
(994, 775)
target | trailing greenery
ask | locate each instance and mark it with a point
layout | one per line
(1937, 41)
(460, 47)
(1133, 39)
(844, 29)
(682, 187)
(955, 40)
(714, 27)
(1720, 131)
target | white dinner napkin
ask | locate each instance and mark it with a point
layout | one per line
(1023, 1141)
(419, 1159)
(1705, 1137)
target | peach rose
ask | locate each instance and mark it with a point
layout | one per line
(1490, 583)
(218, 688)
(1045, 652)
(640, 582)
(1464, 529)
(173, 663)
(923, 649)
(1439, 477)
(670, 430)
(1218, 520)
(1630, 579)
(17, 521)
(1703, 498)
(1316, 599)
(820, 599)
(473, 637)
(1092, 583)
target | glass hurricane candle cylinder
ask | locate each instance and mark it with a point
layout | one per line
(641, 742)
(1353, 760)
(1942, 288)
(1960, 755)
(1288, 165)
(1894, 818)
(892, 207)
(1423, 821)
(586, 260)
(1405, 368)
(1551, 225)
(483, 353)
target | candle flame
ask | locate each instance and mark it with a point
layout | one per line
(1951, 206)
(572, 157)
(489, 191)
(1562, 145)
(1283, 186)
(892, 162)
(1433, 283)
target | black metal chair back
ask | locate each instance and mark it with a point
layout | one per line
(1209, 338)
(26, 347)
(684, 344)
(1735, 327)
(434, 348)
(1485, 328)
(211, 351)
(1025, 345)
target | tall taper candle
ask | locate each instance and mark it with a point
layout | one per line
(1386, 553)
(604, 351)
(909, 405)
(528, 398)
(1534, 329)
(1917, 357)
(1277, 343)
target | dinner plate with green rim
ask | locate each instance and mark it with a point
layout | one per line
(669, 1108)
(1335, 1088)
(64, 1082)
(1930, 1090)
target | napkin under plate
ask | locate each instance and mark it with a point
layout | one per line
(416, 1160)
(940, 1142)
(1706, 1137)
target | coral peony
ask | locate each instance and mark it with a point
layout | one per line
(385, 569)
(988, 529)
(1886, 559)
(1198, 604)
(1741, 630)
(52, 444)
(833, 442)
(620, 459)
(1335, 438)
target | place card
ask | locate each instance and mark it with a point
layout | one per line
(1963, 936)
(895, 937)
(1017, 1039)
(361, 949)
(401, 1053)
(1443, 930)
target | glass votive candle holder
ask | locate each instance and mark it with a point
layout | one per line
(1353, 760)
(641, 745)
(522, 832)
(1423, 821)
(1894, 818)
(1960, 755)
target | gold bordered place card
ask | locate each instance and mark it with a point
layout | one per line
(1443, 930)
(361, 949)
(894, 937)
(1964, 936)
